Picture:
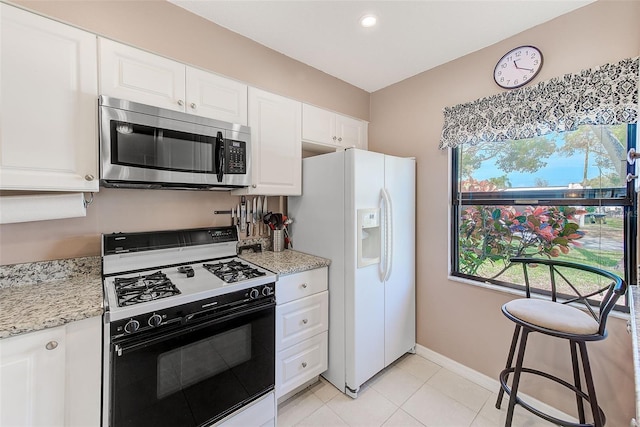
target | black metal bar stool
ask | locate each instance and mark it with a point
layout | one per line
(561, 320)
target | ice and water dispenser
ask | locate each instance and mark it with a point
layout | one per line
(369, 238)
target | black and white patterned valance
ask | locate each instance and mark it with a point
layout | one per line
(603, 95)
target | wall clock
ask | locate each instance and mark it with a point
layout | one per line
(518, 67)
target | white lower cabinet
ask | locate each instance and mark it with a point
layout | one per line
(32, 378)
(302, 322)
(301, 362)
(83, 372)
(52, 377)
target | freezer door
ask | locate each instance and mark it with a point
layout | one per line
(364, 291)
(399, 289)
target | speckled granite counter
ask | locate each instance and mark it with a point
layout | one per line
(41, 295)
(634, 320)
(285, 262)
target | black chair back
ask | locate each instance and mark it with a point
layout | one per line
(612, 289)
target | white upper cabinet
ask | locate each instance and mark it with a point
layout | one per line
(351, 133)
(217, 97)
(325, 130)
(139, 76)
(48, 82)
(276, 146)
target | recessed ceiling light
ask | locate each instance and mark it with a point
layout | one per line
(368, 21)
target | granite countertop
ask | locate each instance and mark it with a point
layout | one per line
(285, 262)
(40, 295)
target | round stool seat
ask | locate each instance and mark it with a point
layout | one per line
(553, 316)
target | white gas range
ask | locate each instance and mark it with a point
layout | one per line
(191, 322)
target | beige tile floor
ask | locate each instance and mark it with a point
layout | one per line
(411, 392)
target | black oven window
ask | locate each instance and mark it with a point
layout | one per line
(162, 149)
(194, 363)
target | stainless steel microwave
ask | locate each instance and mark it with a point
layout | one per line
(148, 147)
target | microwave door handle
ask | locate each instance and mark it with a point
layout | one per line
(219, 156)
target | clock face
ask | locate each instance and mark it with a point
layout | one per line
(518, 67)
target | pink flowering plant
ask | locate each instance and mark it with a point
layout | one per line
(495, 234)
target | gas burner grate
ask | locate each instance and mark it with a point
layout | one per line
(233, 271)
(139, 289)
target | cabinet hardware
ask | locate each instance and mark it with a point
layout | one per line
(305, 321)
(89, 177)
(193, 105)
(304, 364)
(340, 139)
(180, 102)
(335, 137)
(51, 345)
(628, 326)
(304, 286)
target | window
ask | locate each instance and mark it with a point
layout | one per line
(563, 195)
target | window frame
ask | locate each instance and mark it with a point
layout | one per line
(619, 196)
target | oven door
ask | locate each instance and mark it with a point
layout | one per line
(195, 375)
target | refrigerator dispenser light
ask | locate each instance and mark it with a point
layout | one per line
(368, 237)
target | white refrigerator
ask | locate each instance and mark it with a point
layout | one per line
(358, 209)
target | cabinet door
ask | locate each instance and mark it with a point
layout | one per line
(135, 75)
(352, 133)
(276, 144)
(216, 97)
(300, 363)
(301, 319)
(32, 368)
(83, 372)
(48, 81)
(299, 285)
(318, 125)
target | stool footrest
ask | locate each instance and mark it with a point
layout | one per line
(564, 423)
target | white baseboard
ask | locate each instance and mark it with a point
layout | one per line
(491, 384)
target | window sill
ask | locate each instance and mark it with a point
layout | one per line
(521, 294)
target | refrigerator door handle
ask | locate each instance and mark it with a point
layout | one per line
(388, 235)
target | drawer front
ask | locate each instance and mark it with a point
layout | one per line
(300, 363)
(301, 319)
(300, 285)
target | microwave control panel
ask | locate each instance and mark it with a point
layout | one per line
(235, 157)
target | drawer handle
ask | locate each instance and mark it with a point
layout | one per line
(628, 326)
(305, 321)
(304, 286)
(304, 364)
(51, 345)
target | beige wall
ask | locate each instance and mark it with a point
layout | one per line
(161, 27)
(461, 321)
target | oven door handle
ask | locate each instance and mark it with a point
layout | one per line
(123, 348)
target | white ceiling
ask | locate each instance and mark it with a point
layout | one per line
(411, 36)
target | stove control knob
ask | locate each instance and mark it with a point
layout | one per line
(155, 320)
(266, 291)
(131, 326)
(253, 294)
